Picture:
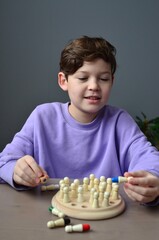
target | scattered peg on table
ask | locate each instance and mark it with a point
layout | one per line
(58, 223)
(77, 228)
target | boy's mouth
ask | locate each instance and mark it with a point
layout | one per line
(93, 97)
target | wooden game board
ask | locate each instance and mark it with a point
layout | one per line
(85, 211)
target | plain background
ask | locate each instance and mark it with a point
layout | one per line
(33, 33)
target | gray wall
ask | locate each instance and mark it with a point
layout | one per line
(33, 33)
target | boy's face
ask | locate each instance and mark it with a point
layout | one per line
(88, 89)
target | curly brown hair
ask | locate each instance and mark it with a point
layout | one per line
(86, 49)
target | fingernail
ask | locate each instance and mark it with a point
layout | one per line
(37, 180)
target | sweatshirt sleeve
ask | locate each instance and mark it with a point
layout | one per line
(135, 151)
(21, 145)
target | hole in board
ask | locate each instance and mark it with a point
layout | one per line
(73, 204)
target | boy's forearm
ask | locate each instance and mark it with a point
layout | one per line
(6, 172)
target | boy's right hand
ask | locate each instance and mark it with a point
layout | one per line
(27, 172)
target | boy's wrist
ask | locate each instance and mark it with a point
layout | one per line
(152, 203)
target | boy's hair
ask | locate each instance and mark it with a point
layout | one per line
(86, 49)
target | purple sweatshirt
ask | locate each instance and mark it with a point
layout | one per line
(109, 146)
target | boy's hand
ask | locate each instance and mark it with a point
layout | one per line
(27, 172)
(143, 187)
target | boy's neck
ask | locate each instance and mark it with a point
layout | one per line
(81, 116)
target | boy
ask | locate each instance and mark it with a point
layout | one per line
(85, 135)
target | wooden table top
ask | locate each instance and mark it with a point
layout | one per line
(24, 215)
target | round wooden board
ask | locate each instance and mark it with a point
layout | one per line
(85, 211)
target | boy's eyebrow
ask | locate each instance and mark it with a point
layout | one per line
(81, 71)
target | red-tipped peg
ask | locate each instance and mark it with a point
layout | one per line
(77, 228)
(86, 227)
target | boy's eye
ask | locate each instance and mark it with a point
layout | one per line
(82, 78)
(104, 79)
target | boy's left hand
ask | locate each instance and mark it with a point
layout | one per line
(143, 187)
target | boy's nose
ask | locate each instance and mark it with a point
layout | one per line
(93, 85)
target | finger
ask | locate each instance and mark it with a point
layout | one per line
(20, 181)
(146, 181)
(24, 170)
(136, 174)
(142, 178)
(34, 166)
(138, 197)
(25, 174)
(44, 173)
(127, 174)
(36, 171)
(140, 173)
(144, 191)
(39, 171)
(128, 192)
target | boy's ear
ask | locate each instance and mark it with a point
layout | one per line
(62, 81)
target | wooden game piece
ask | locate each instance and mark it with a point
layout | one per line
(101, 193)
(121, 179)
(115, 192)
(91, 196)
(96, 184)
(85, 184)
(102, 181)
(91, 181)
(109, 185)
(66, 198)
(50, 208)
(77, 183)
(66, 181)
(104, 185)
(50, 187)
(43, 188)
(61, 190)
(95, 203)
(80, 197)
(113, 184)
(105, 202)
(61, 182)
(73, 190)
(43, 179)
(58, 223)
(56, 212)
(77, 228)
